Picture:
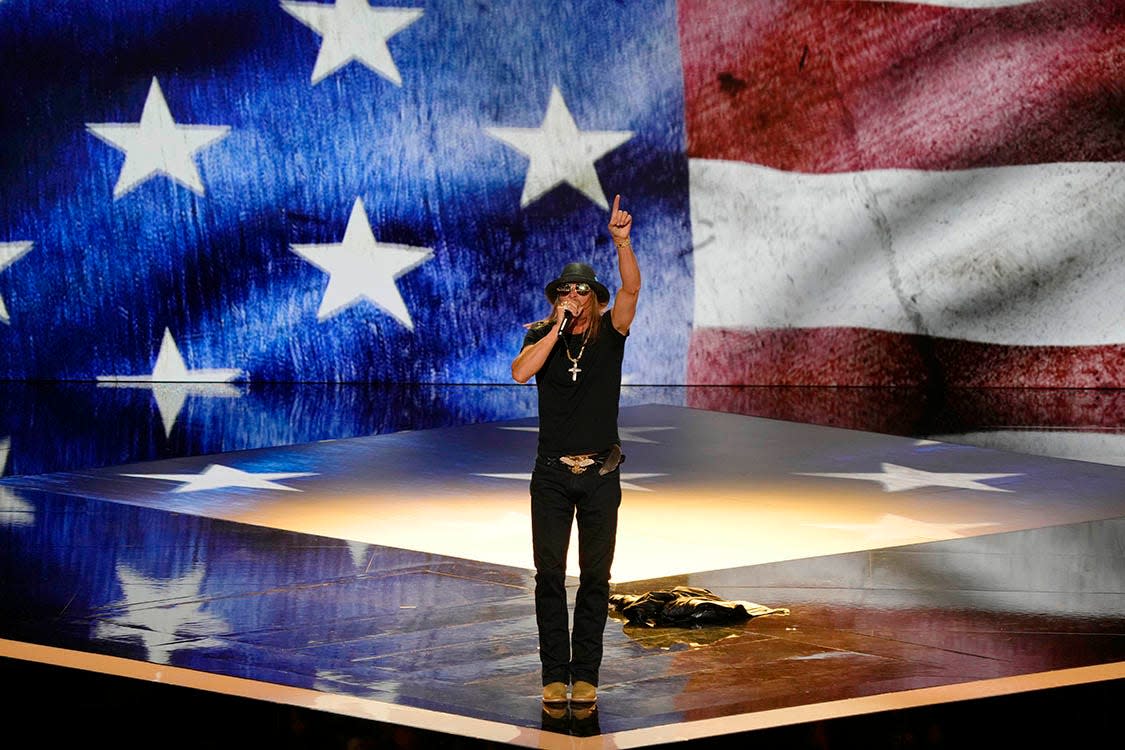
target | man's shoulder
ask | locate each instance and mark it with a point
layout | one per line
(536, 331)
(607, 325)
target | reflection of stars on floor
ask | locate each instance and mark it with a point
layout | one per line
(172, 382)
(10, 252)
(360, 553)
(14, 510)
(627, 434)
(626, 479)
(335, 682)
(897, 528)
(217, 476)
(896, 478)
(161, 626)
(170, 398)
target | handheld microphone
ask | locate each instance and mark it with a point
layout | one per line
(567, 317)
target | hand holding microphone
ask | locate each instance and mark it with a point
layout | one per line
(567, 317)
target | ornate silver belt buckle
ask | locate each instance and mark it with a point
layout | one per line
(577, 464)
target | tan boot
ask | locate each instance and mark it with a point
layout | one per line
(554, 693)
(583, 693)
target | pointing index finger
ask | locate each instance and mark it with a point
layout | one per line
(616, 203)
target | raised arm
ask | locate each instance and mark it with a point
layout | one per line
(625, 303)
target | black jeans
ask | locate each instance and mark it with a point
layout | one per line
(557, 496)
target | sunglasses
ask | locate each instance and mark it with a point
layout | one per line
(582, 288)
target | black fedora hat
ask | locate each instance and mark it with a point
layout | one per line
(578, 272)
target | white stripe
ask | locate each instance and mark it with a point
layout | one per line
(1010, 255)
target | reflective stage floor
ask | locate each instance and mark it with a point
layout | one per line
(386, 579)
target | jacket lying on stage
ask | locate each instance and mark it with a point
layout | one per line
(686, 606)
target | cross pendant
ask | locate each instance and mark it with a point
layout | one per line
(574, 370)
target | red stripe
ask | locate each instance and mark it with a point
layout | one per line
(831, 86)
(865, 357)
(914, 411)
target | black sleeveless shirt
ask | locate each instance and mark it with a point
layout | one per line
(578, 414)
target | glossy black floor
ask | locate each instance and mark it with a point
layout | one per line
(1024, 602)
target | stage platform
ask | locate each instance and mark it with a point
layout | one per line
(388, 578)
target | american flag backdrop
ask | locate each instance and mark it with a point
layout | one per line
(898, 193)
(824, 192)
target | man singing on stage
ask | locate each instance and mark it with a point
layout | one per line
(575, 355)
